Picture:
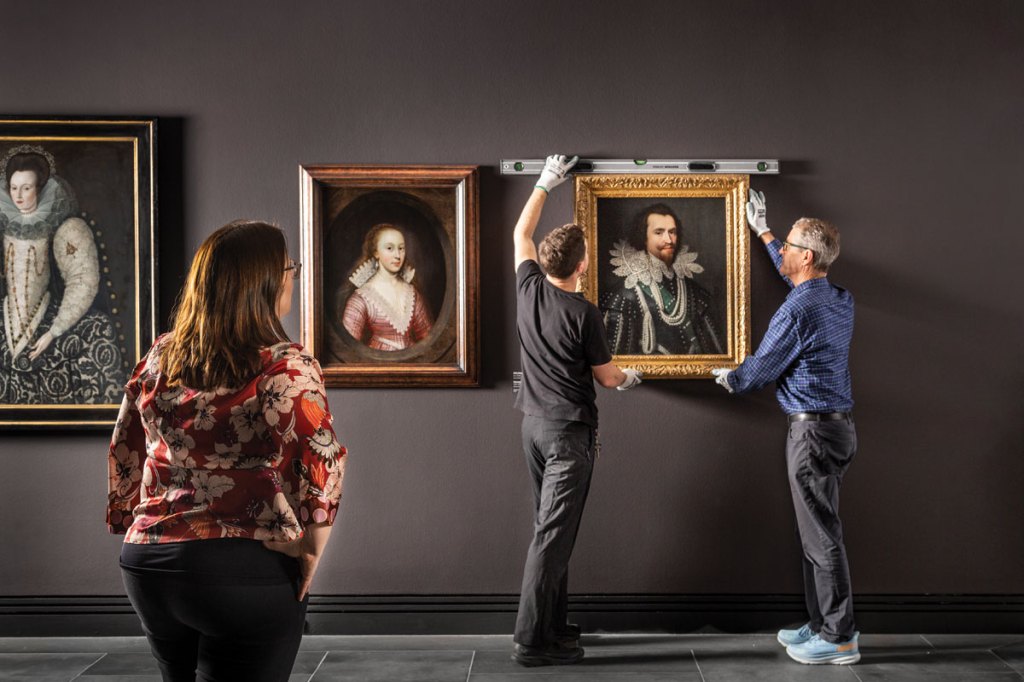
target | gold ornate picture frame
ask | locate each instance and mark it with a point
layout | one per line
(78, 219)
(390, 292)
(674, 308)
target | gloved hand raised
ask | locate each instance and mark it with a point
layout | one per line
(756, 213)
(722, 377)
(632, 379)
(555, 170)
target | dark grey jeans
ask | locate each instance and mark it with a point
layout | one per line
(817, 456)
(560, 457)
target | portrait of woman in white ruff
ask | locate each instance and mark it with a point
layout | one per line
(387, 278)
(385, 311)
(57, 344)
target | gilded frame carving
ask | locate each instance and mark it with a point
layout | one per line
(711, 209)
(435, 209)
(96, 217)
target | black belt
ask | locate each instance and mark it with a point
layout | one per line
(819, 416)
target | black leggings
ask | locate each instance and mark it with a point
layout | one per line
(216, 610)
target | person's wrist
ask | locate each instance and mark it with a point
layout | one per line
(546, 190)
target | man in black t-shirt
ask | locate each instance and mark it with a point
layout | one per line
(563, 348)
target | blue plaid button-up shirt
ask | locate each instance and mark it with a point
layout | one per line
(806, 348)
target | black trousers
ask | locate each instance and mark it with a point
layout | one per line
(559, 455)
(216, 610)
(817, 456)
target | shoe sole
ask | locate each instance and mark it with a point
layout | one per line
(535, 661)
(845, 659)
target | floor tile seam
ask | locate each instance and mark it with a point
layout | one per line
(318, 666)
(696, 663)
(1020, 673)
(83, 670)
(1002, 660)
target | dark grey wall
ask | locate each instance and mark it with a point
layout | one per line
(899, 121)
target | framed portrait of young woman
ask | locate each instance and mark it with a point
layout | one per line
(78, 223)
(391, 297)
(669, 269)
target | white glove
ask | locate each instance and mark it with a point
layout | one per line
(756, 213)
(555, 169)
(722, 377)
(632, 379)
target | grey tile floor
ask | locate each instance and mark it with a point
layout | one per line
(627, 657)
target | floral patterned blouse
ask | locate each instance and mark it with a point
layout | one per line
(258, 462)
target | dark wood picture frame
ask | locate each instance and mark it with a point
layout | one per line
(98, 209)
(435, 209)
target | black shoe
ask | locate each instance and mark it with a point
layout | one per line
(569, 630)
(555, 655)
(567, 641)
(569, 636)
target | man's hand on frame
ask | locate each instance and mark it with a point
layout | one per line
(722, 377)
(633, 378)
(555, 169)
(757, 213)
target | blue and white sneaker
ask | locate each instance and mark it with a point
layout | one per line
(817, 651)
(798, 636)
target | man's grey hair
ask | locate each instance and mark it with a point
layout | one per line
(822, 238)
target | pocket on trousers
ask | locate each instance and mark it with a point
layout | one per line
(798, 430)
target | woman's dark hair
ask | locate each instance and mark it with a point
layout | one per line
(562, 250)
(29, 161)
(227, 310)
(637, 236)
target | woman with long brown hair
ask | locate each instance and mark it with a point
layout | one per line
(224, 469)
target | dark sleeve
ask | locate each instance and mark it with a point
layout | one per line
(704, 325)
(622, 322)
(527, 272)
(595, 343)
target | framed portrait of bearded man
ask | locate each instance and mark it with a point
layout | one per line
(77, 216)
(391, 297)
(669, 269)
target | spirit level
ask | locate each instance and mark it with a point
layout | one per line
(644, 166)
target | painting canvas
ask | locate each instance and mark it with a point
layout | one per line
(391, 297)
(669, 269)
(77, 217)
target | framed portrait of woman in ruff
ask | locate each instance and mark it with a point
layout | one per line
(77, 215)
(669, 269)
(390, 298)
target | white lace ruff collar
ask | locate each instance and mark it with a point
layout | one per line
(56, 202)
(368, 269)
(643, 268)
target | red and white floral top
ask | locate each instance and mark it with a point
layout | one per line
(258, 462)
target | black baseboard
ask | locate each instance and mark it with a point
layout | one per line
(495, 614)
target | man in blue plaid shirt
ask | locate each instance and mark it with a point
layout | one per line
(806, 352)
